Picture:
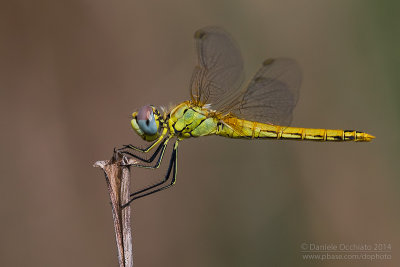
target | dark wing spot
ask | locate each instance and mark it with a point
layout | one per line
(199, 34)
(268, 61)
(259, 79)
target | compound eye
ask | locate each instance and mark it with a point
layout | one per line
(146, 121)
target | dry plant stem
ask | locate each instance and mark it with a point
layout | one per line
(117, 175)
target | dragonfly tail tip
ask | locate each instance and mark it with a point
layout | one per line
(368, 137)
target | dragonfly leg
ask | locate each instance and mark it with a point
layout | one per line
(161, 148)
(147, 149)
(152, 189)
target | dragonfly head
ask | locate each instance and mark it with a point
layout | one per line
(146, 123)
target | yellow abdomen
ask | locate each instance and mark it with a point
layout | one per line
(238, 128)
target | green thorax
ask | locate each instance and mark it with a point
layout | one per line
(187, 120)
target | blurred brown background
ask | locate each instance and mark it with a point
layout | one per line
(72, 72)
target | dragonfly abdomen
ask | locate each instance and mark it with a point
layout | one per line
(321, 134)
(238, 128)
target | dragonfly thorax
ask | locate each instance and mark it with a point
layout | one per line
(188, 120)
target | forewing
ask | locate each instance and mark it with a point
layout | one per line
(219, 71)
(271, 95)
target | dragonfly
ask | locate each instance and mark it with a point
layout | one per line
(219, 105)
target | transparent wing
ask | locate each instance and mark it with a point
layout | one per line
(219, 72)
(271, 95)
